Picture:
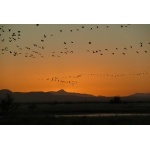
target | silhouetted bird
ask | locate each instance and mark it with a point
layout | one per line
(82, 26)
(37, 24)
(44, 36)
(70, 30)
(137, 52)
(130, 46)
(121, 26)
(9, 30)
(42, 40)
(89, 42)
(113, 53)
(60, 30)
(65, 43)
(71, 41)
(145, 51)
(123, 53)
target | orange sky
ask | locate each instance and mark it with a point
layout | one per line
(72, 67)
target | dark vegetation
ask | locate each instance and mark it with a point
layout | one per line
(77, 113)
(7, 105)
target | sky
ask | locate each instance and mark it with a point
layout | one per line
(98, 59)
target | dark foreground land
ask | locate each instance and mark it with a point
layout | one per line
(78, 114)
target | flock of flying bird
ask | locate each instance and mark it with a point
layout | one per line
(72, 80)
(15, 36)
(33, 51)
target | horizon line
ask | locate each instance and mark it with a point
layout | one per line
(78, 93)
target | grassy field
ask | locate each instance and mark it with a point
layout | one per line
(36, 113)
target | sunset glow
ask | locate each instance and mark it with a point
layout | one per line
(94, 59)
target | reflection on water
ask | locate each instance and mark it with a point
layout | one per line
(103, 115)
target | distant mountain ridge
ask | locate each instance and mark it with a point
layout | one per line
(64, 96)
(63, 92)
(51, 96)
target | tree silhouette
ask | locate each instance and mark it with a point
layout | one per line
(7, 105)
(115, 100)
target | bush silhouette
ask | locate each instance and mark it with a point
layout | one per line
(115, 100)
(7, 104)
